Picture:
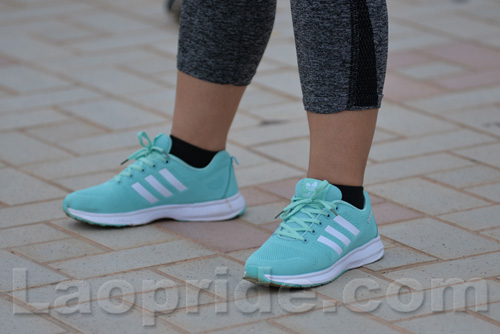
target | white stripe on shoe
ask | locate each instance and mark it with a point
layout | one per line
(144, 193)
(172, 179)
(345, 224)
(345, 240)
(158, 186)
(330, 244)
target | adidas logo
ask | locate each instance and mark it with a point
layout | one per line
(160, 188)
(311, 187)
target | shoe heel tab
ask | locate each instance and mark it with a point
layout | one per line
(234, 160)
(368, 203)
(368, 208)
(232, 184)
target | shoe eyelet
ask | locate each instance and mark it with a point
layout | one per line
(143, 170)
(154, 166)
(305, 241)
(131, 176)
(320, 223)
(328, 215)
(313, 232)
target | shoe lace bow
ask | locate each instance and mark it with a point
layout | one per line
(302, 214)
(143, 157)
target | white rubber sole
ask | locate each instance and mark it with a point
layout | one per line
(206, 211)
(368, 253)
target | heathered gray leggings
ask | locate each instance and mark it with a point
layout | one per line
(341, 47)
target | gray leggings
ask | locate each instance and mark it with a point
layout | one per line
(341, 47)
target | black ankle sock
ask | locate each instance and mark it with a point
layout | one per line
(352, 195)
(190, 154)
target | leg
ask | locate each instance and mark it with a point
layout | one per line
(220, 47)
(340, 144)
(341, 69)
(197, 104)
(341, 48)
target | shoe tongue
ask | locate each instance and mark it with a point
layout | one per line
(163, 141)
(306, 187)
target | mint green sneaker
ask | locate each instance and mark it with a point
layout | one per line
(320, 237)
(159, 185)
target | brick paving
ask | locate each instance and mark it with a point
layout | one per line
(79, 78)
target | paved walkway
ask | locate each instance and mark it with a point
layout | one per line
(78, 79)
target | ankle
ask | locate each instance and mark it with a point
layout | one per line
(353, 195)
(191, 154)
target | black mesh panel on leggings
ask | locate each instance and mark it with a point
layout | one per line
(363, 76)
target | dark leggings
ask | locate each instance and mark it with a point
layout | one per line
(341, 47)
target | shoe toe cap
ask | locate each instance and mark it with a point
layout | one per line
(81, 202)
(279, 259)
(96, 199)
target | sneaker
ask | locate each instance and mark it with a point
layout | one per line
(159, 185)
(320, 237)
